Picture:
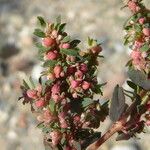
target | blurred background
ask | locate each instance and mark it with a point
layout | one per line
(100, 19)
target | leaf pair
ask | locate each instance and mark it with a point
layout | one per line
(139, 78)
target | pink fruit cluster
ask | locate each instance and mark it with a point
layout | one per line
(138, 35)
(70, 79)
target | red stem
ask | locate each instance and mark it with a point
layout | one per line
(117, 126)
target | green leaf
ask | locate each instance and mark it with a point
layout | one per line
(138, 27)
(71, 52)
(56, 26)
(126, 40)
(39, 33)
(31, 82)
(90, 139)
(66, 39)
(50, 63)
(62, 27)
(90, 41)
(132, 85)
(42, 48)
(129, 63)
(74, 43)
(139, 78)
(42, 21)
(145, 47)
(52, 105)
(97, 88)
(25, 84)
(40, 125)
(117, 105)
(86, 102)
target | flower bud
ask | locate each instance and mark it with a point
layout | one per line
(51, 76)
(32, 94)
(56, 137)
(85, 85)
(146, 31)
(75, 95)
(56, 98)
(62, 74)
(135, 55)
(54, 33)
(75, 84)
(65, 45)
(48, 41)
(79, 74)
(83, 67)
(57, 71)
(141, 20)
(132, 6)
(96, 49)
(52, 55)
(40, 103)
(55, 88)
(148, 123)
(70, 58)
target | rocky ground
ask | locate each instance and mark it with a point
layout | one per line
(101, 19)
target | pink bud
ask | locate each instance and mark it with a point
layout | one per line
(85, 85)
(54, 33)
(76, 118)
(39, 103)
(48, 116)
(79, 74)
(32, 94)
(57, 71)
(55, 88)
(71, 58)
(51, 76)
(56, 137)
(74, 84)
(48, 41)
(52, 55)
(62, 74)
(83, 67)
(56, 98)
(96, 49)
(141, 20)
(75, 95)
(63, 124)
(138, 44)
(62, 120)
(132, 6)
(65, 45)
(62, 115)
(135, 54)
(146, 31)
(148, 123)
